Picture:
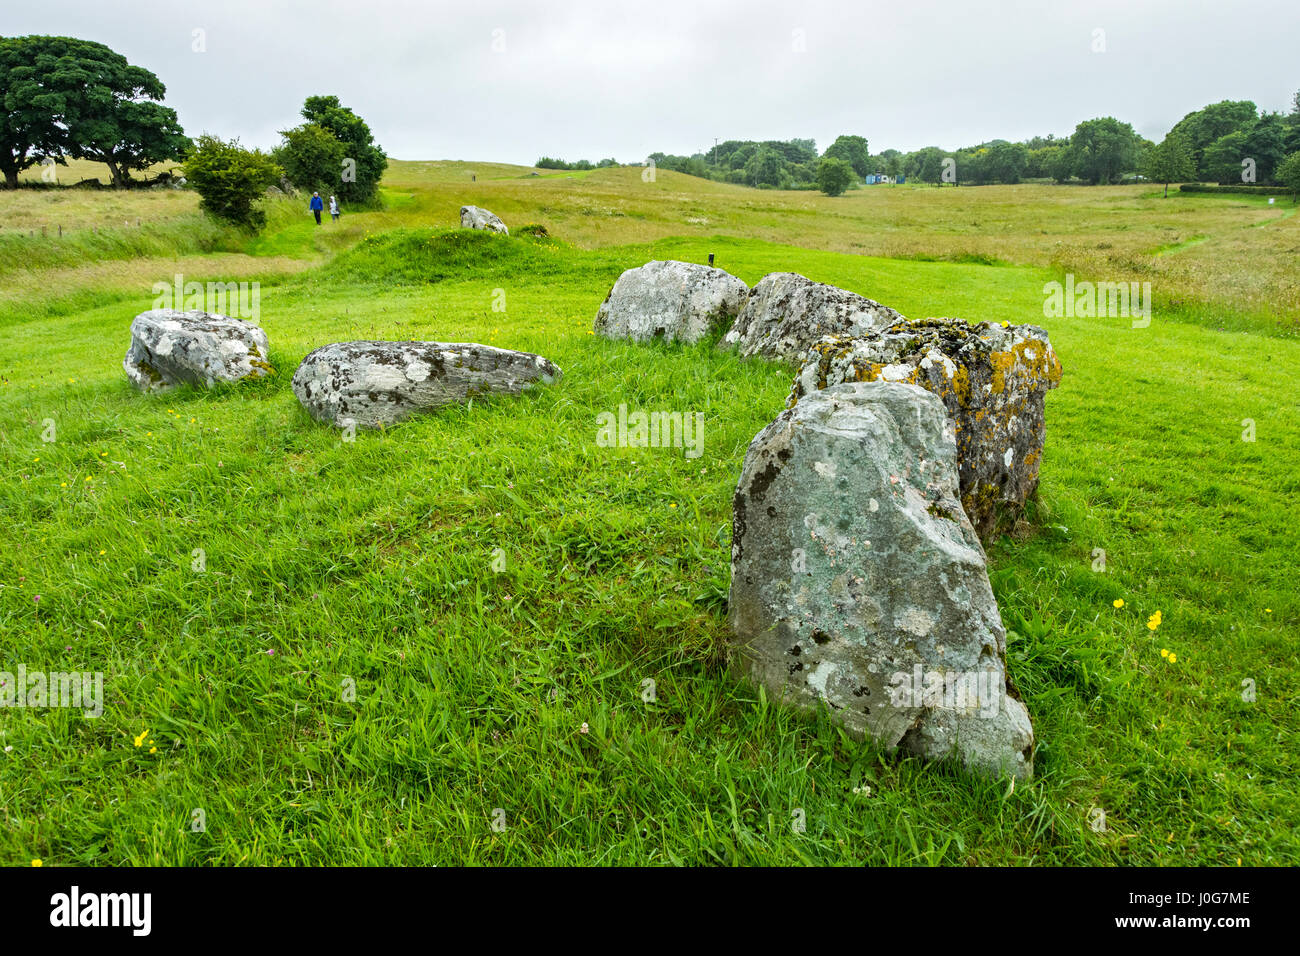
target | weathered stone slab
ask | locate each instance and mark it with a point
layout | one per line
(378, 383)
(993, 381)
(786, 313)
(858, 583)
(171, 347)
(475, 217)
(673, 301)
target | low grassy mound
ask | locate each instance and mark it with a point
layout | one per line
(426, 256)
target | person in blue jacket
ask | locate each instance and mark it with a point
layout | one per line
(316, 206)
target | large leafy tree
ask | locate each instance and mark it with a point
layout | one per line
(34, 89)
(1288, 174)
(1006, 162)
(1266, 144)
(1292, 125)
(925, 165)
(1169, 162)
(1041, 161)
(64, 96)
(1262, 143)
(129, 135)
(852, 150)
(765, 168)
(312, 158)
(1103, 149)
(1202, 127)
(363, 161)
(890, 162)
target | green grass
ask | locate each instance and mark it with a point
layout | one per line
(373, 561)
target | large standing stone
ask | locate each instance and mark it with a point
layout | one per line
(786, 313)
(858, 583)
(378, 383)
(675, 301)
(169, 348)
(992, 379)
(475, 217)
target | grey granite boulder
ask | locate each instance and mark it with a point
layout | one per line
(857, 582)
(786, 313)
(674, 301)
(378, 383)
(170, 347)
(475, 217)
(992, 379)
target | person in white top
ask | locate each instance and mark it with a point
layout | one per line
(334, 209)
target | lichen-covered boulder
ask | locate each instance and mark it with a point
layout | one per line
(673, 301)
(786, 313)
(170, 347)
(857, 582)
(992, 379)
(377, 383)
(475, 217)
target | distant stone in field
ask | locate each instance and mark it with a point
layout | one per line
(673, 301)
(786, 313)
(857, 581)
(474, 217)
(169, 348)
(993, 381)
(379, 383)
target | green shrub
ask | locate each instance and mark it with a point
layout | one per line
(834, 176)
(230, 179)
(1210, 188)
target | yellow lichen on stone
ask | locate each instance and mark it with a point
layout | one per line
(961, 385)
(1042, 366)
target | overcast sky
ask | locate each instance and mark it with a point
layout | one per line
(497, 81)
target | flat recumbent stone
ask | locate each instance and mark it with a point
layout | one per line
(379, 383)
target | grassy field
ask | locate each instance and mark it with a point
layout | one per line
(329, 565)
(1225, 261)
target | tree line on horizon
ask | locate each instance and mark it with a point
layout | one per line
(1228, 142)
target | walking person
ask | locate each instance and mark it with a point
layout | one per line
(316, 206)
(334, 209)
